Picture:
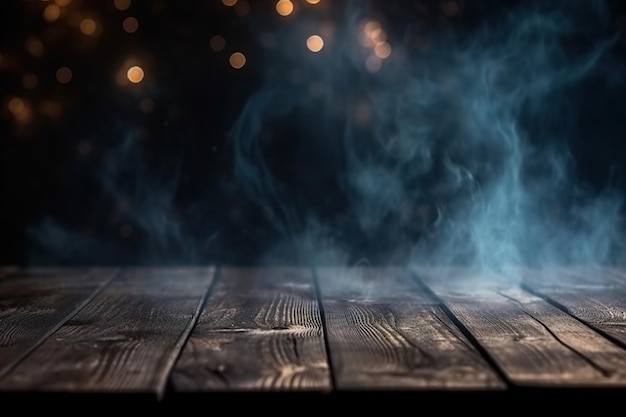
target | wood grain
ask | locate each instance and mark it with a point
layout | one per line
(127, 338)
(260, 330)
(595, 296)
(533, 342)
(34, 302)
(385, 333)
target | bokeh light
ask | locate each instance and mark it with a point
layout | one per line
(64, 75)
(284, 7)
(30, 81)
(88, 26)
(217, 43)
(237, 60)
(315, 43)
(52, 12)
(229, 2)
(312, 1)
(34, 46)
(135, 74)
(130, 24)
(121, 4)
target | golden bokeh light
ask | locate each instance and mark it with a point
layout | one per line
(237, 60)
(64, 75)
(373, 63)
(51, 108)
(217, 43)
(312, 1)
(16, 105)
(135, 74)
(284, 7)
(88, 26)
(30, 81)
(315, 43)
(242, 8)
(34, 46)
(382, 50)
(130, 24)
(52, 12)
(229, 2)
(121, 4)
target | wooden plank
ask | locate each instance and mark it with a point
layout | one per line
(595, 296)
(533, 342)
(35, 302)
(125, 340)
(260, 330)
(385, 333)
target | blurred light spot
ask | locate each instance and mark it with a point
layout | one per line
(121, 4)
(64, 75)
(135, 74)
(451, 8)
(217, 43)
(229, 2)
(88, 26)
(30, 81)
(16, 105)
(237, 60)
(146, 105)
(284, 7)
(84, 147)
(312, 1)
(130, 24)
(371, 27)
(62, 3)
(373, 63)
(242, 8)
(34, 46)
(315, 43)
(20, 109)
(126, 231)
(52, 12)
(51, 108)
(382, 50)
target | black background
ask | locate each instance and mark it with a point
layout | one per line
(50, 166)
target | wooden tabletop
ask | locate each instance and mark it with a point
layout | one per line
(414, 335)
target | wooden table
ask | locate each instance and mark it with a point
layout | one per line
(246, 336)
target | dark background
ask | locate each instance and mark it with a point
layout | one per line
(72, 189)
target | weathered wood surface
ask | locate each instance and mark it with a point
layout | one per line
(385, 333)
(596, 296)
(533, 342)
(35, 302)
(423, 331)
(261, 329)
(126, 338)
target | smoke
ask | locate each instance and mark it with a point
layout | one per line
(459, 149)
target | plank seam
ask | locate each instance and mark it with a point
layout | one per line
(320, 306)
(11, 366)
(566, 310)
(462, 328)
(165, 384)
